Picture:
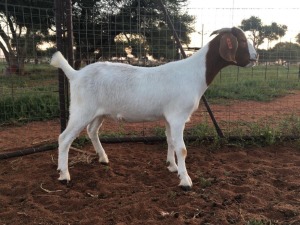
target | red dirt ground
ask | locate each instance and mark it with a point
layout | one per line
(232, 184)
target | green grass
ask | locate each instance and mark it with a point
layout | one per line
(257, 83)
(264, 132)
(30, 97)
(259, 222)
(201, 130)
(28, 107)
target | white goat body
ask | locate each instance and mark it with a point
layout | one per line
(170, 92)
(135, 94)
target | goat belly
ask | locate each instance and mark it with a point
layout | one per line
(135, 117)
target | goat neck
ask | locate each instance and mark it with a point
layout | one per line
(214, 62)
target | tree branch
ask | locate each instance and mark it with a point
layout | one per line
(6, 39)
(5, 52)
(11, 27)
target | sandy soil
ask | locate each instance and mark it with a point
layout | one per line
(232, 184)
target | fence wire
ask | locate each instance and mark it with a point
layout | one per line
(259, 101)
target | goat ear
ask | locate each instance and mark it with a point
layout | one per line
(228, 47)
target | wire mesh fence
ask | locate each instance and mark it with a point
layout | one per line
(28, 86)
(259, 101)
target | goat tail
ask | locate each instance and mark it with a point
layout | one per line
(59, 61)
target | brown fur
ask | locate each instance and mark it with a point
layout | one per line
(216, 62)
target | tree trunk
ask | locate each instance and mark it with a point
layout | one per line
(14, 66)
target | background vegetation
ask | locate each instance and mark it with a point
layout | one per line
(35, 97)
(129, 31)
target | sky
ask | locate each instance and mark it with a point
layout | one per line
(215, 14)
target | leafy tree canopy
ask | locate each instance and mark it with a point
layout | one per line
(141, 24)
(260, 32)
(23, 24)
(298, 38)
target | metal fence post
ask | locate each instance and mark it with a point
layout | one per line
(61, 75)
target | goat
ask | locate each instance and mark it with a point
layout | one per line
(169, 92)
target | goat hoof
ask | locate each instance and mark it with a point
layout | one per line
(186, 188)
(104, 163)
(103, 160)
(66, 183)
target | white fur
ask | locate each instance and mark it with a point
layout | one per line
(253, 54)
(169, 92)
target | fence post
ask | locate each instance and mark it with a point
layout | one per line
(70, 52)
(70, 32)
(61, 75)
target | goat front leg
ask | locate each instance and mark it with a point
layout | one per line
(185, 180)
(92, 130)
(181, 153)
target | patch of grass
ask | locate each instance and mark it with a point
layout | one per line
(172, 194)
(29, 107)
(204, 182)
(159, 131)
(253, 84)
(81, 141)
(259, 222)
(106, 168)
(290, 125)
(202, 130)
(255, 90)
(30, 97)
(265, 131)
(109, 134)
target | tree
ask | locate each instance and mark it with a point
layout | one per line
(298, 38)
(259, 32)
(23, 24)
(273, 32)
(101, 28)
(254, 25)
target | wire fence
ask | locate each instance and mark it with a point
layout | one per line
(259, 101)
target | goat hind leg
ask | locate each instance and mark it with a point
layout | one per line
(92, 130)
(65, 140)
(171, 163)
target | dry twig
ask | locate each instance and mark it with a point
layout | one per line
(48, 191)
